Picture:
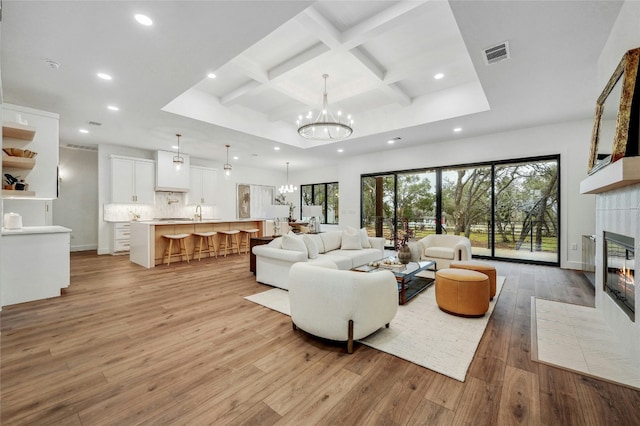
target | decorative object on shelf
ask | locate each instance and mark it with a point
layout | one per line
(178, 160)
(325, 126)
(227, 166)
(17, 152)
(287, 188)
(313, 213)
(615, 128)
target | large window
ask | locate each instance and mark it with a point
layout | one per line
(507, 209)
(324, 195)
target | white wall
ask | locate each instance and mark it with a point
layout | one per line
(571, 140)
(77, 205)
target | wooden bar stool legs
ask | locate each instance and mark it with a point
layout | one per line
(181, 244)
(247, 234)
(230, 237)
(209, 239)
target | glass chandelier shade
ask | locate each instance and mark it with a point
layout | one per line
(178, 160)
(325, 125)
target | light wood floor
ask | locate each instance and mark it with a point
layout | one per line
(179, 345)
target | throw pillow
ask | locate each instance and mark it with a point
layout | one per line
(351, 240)
(364, 238)
(312, 247)
(293, 243)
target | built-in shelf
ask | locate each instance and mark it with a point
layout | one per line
(18, 131)
(8, 193)
(18, 162)
(624, 172)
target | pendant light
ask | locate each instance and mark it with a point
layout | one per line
(227, 166)
(177, 159)
(284, 189)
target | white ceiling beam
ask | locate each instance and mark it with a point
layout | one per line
(250, 69)
(231, 97)
(397, 94)
(379, 23)
(368, 63)
(301, 58)
(320, 27)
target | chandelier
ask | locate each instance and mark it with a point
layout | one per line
(284, 189)
(325, 126)
(177, 159)
(227, 166)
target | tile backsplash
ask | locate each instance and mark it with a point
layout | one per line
(168, 204)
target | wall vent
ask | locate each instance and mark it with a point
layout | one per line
(496, 53)
(83, 147)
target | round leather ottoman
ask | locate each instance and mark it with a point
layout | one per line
(483, 267)
(462, 292)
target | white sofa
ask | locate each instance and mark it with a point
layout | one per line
(274, 260)
(442, 248)
(340, 305)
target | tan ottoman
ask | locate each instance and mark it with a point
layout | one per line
(483, 267)
(462, 292)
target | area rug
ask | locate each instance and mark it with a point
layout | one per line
(420, 333)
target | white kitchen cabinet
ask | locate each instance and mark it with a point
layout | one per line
(37, 131)
(121, 237)
(132, 180)
(170, 177)
(202, 186)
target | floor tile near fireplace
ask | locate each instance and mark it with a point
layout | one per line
(578, 338)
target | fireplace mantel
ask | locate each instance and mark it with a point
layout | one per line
(623, 172)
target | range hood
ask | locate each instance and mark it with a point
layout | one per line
(169, 177)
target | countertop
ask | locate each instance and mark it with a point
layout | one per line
(188, 222)
(28, 230)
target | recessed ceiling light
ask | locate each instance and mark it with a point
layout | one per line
(83, 130)
(104, 76)
(52, 64)
(457, 129)
(143, 19)
(174, 146)
(211, 75)
(341, 150)
(236, 158)
(393, 140)
(113, 108)
(277, 148)
(438, 76)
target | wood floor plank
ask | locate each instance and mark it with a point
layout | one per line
(179, 344)
(519, 403)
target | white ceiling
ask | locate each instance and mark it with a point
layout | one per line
(269, 57)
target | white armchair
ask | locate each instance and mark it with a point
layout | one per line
(444, 249)
(340, 305)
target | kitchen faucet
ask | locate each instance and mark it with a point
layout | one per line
(199, 212)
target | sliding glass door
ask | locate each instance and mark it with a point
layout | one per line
(507, 209)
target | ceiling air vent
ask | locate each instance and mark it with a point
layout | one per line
(83, 147)
(94, 123)
(496, 53)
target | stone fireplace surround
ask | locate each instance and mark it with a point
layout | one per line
(617, 189)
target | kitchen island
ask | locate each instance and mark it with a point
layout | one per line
(35, 263)
(147, 245)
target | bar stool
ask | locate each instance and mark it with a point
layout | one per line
(230, 237)
(246, 236)
(181, 244)
(209, 238)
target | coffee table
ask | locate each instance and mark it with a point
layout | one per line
(409, 284)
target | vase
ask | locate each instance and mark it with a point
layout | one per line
(404, 255)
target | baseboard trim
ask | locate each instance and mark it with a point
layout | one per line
(84, 247)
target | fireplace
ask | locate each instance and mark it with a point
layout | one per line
(619, 271)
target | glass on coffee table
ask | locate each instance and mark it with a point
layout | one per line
(411, 281)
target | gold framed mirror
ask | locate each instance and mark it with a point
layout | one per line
(616, 125)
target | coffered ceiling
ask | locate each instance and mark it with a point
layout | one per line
(269, 58)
